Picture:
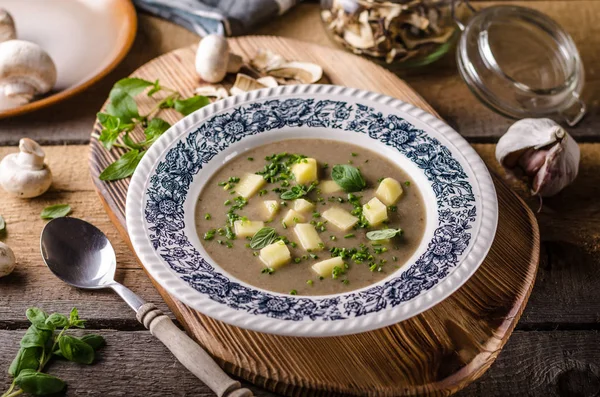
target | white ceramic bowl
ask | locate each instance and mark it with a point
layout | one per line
(458, 191)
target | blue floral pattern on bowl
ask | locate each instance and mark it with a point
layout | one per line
(173, 176)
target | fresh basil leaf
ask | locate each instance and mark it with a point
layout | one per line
(2, 224)
(56, 211)
(122, 105)
(262, 238)
(348, 178)
(123, 167)
(155, 88)
(74, 320)
(26, 358)
(38, 318)
(191, 104)
(35, 337)
(39, 383)
(384, 234)
(57, 320)
(76, 350)
(94, 340)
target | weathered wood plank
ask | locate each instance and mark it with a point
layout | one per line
(565, 293)
(439, 84)
(535, 364)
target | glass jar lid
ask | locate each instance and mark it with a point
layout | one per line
(521, 63)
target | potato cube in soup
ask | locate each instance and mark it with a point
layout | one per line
(340, 218)
(325, 268)
(292, 217)
(271, 207)
(305, 171)
(302, 205)
(308, 237)
(389, 191)
(328, 187)
(375, 212)
(249, 184)
(247, 228)
(275, 255)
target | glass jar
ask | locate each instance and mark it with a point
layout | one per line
(400, 32)
(521, 63)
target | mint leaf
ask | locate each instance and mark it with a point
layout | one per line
(262, 238)
(384, 234)
(133, 86)
(155, 88)
(156, 127)
(56, 211)
(112, 128)
(348, 178)
(123, 167)
(122, 105)
(190, 105)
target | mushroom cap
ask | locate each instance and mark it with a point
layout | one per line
(212, 58)
(7, 26)
(7, 260)
(26, 63)
(19, 179)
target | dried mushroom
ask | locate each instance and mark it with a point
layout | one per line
(244, 83)
(269, 64)
(212, 91)
(391, 31)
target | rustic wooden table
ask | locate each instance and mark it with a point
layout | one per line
(555, 350)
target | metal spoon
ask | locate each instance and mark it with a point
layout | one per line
(79, 254)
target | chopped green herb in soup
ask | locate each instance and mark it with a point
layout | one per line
(296, 217)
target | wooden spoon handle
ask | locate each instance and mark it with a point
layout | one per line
(189, 353)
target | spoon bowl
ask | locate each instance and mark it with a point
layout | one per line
(78, 253)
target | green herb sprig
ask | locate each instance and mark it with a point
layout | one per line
(56, 211)
(47, 338)
(122, 117)
(384, 234)
(262, 238)
(348, 178)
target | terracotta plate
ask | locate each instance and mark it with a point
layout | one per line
(85, 38)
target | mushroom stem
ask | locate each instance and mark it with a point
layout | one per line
(21, 91)
(31, 154)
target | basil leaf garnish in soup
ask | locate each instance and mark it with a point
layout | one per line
(384, 234)
(262, 238)
(348, 178)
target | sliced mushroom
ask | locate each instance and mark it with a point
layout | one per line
(244, 83)
(304, 72)
(25, 174)
(413, 42)
(265, 60)
(213, 59)
(7, 26)
(26, 70)
(268, 81)
(364, 38)
(218, 92)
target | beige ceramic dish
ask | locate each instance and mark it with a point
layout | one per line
(85, 38)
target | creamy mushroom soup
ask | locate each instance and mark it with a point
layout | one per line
(310, 217)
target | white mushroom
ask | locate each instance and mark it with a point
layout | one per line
(213, 59)
(7, 260)
(7, 26)
(25, 70)
(24, 174)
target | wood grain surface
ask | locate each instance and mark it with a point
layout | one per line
(437, 352)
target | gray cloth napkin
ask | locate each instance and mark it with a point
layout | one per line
(227, 17)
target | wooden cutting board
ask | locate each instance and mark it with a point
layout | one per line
(435, 353)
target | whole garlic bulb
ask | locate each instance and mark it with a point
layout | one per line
(543, 151)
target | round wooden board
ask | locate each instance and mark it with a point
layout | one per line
(435, 353)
